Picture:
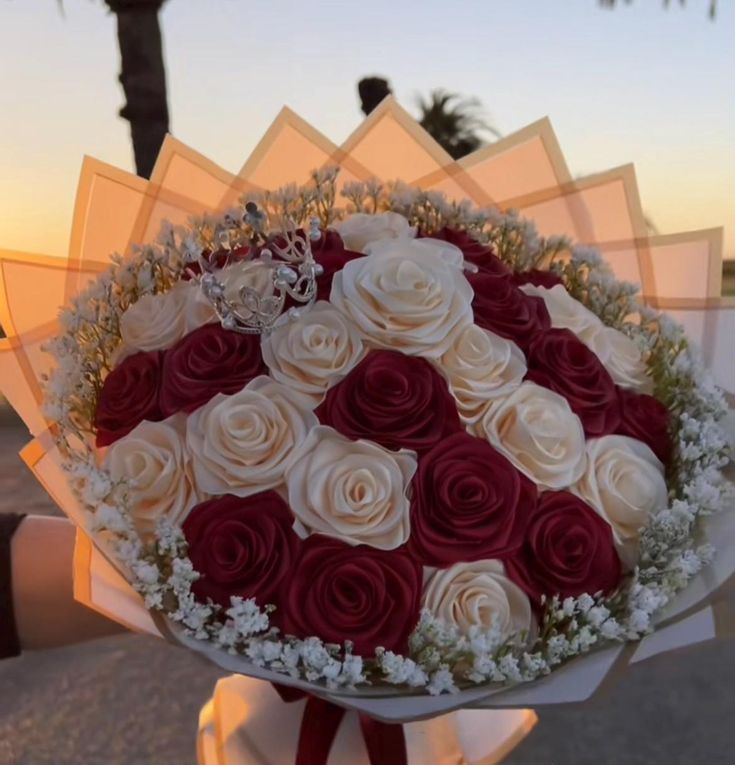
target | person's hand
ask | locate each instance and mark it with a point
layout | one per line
(46, 614)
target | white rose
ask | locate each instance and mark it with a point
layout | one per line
(355, 491)
(198, 310)
(625, 483)
(153, 458)
(242, 444)
(449, 253)
(619, 354)
(156, 322)
(359, 230)
(481, 366)
(313, 352)
(478, 595)
(253, 274)
(566, 312)
(406, 296)
(622, 358)
(537, 431)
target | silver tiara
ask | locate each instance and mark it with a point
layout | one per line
(293, 275)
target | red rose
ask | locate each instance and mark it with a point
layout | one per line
(243, 547)
(502, 308)
(569, 550)
(339, 592)
(129, 395)
(560, 361)
(330, 253)
(479, 254)
(537, 277)
(399, 401)
(647, 419)
(208, 361)
(468, 503)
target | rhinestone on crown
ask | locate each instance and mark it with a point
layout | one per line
(293, 275)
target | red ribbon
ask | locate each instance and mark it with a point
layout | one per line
(385, 742)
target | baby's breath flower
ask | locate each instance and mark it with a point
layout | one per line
(442, 681)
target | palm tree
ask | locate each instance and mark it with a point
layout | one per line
(372, 90)
(667, 3)
(143, 77)
(728, 277)
(455, 123)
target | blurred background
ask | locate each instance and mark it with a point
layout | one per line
(646, 81)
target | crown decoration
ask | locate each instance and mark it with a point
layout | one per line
(293, 275)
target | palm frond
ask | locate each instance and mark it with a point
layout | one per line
(456, 123)
(666, 3)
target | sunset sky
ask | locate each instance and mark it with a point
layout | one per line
(636, 84)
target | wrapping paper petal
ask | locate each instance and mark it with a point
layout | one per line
(713, 621)
(98, 585)
(575, 682)
(207, 753)
(510, 168)
(290, 150)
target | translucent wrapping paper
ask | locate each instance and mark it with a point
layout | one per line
(246, 723)
(526, 171)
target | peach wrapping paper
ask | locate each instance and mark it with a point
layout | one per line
(246, 723)
(678, 273)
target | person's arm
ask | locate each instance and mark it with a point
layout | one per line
(46, 614)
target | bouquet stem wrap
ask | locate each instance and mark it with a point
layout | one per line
(385, 742)
(247, 723)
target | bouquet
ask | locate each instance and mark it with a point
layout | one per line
(394, 444)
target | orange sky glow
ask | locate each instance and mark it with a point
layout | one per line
(635, 85)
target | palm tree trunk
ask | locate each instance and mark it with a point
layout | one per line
(143, 77)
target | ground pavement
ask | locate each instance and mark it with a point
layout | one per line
(132, 700)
